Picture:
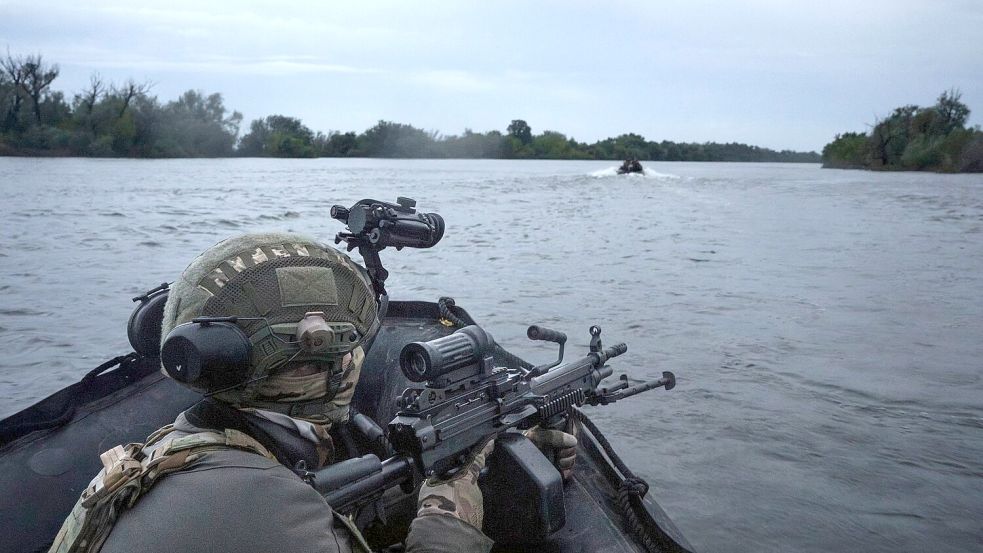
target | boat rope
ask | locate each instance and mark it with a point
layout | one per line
(630, 493)
(511, 360)
(636, 484)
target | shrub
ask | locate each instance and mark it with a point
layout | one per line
(971, 157)
(924, 152)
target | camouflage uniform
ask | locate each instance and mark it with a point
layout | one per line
(459, 496)
(219, 478)
(233, 500)
(229, 500)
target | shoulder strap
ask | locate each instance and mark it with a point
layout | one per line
(200, 441)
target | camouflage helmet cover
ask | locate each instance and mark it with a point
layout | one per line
(278, 277)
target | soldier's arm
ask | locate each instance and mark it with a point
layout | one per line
(451, 513)
(445, 534)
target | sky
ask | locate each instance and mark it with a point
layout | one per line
(778, 74)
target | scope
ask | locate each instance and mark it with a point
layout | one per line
(384, 224)
(425, 361)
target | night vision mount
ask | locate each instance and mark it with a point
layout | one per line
(374, 226)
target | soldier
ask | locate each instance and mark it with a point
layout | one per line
(225, 475)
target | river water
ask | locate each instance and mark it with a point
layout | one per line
(825, 327)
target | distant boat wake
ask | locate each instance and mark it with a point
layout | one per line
(648, 174)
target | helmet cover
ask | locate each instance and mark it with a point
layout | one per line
(276, 279)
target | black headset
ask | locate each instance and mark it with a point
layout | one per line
(208, 353)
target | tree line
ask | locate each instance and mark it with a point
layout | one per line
(108, 119)
(913, 138)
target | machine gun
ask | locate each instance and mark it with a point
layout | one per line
(463, 400)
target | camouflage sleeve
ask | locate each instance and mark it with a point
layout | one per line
(451, 512)
(558, 445)
(445, 534)
(458, 496)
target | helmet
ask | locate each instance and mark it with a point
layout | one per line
(250, 308)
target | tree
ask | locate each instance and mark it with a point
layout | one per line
(891, 135)
(388, 139)
(953, 113)
(340, 144)
(520, 129)
(149, 119)
(278, 136)
(8, 92)
(551, 145)
(847, 150)
(130, 90)
(15, 76)
(196, 125)
(85, 101)
(37, 78)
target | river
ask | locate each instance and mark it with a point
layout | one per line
(826, 327)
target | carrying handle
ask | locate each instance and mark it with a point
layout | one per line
(545, 334)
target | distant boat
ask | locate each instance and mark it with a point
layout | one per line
(631, 166)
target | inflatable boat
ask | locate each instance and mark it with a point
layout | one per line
(631, 166)
(50, 451)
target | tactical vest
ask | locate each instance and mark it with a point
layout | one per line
(129, 472)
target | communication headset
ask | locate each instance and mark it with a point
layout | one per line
(214, 354)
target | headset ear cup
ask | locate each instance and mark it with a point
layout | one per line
(143, 328)
(207, 356)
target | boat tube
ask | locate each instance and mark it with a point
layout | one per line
(50, 451)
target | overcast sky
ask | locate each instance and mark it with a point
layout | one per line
(772, 73)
